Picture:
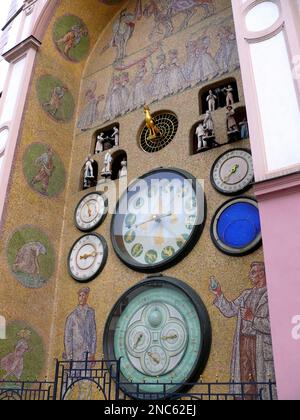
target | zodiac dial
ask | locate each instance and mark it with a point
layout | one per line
(158, 220)
(233, 172)
(91, 212)
(161, 334)
(87, 258)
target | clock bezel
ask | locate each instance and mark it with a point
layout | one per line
(204, 320)
(185, 250)
(215, 219)
(220, 190)
(104, 259)
(103, 216)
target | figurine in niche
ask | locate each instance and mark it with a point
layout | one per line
(209, 126)
(200, 133)
(116, 136)
(123, 170)
(89, 176)
(154, 130)
(232, 126)
(244, 128)
(107, 170)
(99, 145)
(229, 95)
(211, 100)
(208, 140)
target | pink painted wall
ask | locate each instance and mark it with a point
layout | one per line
(280, 211)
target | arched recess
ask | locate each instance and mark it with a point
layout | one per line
(118, 157)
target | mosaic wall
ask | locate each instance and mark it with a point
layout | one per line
(131, 70)
(160, 53)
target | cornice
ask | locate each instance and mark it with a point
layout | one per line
(281, 185)
(14, 53)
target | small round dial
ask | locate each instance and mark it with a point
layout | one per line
(235, 227)
(233, 172)
(160, 330)
(91, 212)
(156, 361)
(87, 257)
(158, 220)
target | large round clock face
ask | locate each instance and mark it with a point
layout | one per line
(87, 258)
(233, 172)
(161, 330)
(90, 212)
(158, 220)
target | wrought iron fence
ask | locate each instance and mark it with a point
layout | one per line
(101, 380)
(26, 391)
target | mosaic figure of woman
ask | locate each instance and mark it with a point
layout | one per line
(176, 79)
(138, 94)
(205, 67)
(13, 363)
(227, 56)
(113, 103)
(159, 86)
(90, 113)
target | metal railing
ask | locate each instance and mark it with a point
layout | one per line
(101, 379)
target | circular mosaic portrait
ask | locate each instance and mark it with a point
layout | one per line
(31, 257)
(55, 98)
(21, 354)
(71, 37)
(43, 170)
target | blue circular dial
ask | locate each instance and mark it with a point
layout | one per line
(236, 228)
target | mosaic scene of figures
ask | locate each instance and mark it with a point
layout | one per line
(140, 60)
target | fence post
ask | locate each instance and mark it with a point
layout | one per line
(118, 378)
(56, 379)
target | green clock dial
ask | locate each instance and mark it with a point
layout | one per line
(158, 220)
(161, 331)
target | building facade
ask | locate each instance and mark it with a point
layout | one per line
(221, 79)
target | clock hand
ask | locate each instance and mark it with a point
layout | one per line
(89, 210)
(170, 337)
(86, 256)
(152, 219)
(232, 172)
(157, 361)
(163, 216)
(138, 340)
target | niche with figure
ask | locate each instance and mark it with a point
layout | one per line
(236, 124)
(218, 95)
(106, 138)
(203, 137)
(89, 174)
(114, 165)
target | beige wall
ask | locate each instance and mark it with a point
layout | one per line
(46, 309)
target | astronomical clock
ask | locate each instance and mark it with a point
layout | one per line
(161, 330)
(158, 220)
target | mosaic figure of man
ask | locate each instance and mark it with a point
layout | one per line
(252, 356)
(46, 167)
(81, 340)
